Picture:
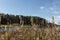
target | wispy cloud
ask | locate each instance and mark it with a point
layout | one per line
(52, 10)
(57, 17)
(42, 7)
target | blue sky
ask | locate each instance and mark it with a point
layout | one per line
(41, 8)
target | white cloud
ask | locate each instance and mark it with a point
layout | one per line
(42, 7)
(56, 12)
(51, 8)
(57, 17)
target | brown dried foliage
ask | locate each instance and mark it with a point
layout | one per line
(31, 33)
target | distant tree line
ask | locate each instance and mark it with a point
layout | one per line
(9, 19)
(19, 19)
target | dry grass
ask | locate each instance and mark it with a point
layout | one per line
(31, 33)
